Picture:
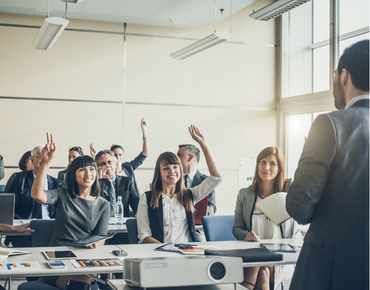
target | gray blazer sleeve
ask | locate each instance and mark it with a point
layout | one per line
(2, 171)
(313, 170)
(240, 227)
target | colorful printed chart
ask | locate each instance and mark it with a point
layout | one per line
(19, 266)
(96, 263)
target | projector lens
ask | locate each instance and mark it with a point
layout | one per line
(217, 271)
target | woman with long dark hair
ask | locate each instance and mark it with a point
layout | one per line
(80, 211)
(166, 213)
(24, 164)
(251, 225)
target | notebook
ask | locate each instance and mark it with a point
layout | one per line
(200, 210)
(7, 208)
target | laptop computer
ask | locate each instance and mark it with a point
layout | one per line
(200, 210)
(7, 208)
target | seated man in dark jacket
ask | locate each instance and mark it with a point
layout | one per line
(113, 185)
(25, 207)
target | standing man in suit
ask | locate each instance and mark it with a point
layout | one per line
(25, 207)
(113, 185)
(190, 156)
(2, 172)
(331, 185)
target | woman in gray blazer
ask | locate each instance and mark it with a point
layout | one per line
(251, 225)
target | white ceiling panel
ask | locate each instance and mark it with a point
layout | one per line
(195, 13)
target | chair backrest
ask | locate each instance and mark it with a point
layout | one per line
(200, 210)
(43, 230)
(131, 225)
(218, 228)
(2, 187)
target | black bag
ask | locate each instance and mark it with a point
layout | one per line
(248, 255)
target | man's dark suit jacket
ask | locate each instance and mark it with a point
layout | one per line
(123, 186)
(2, 171)
(331, 191)
(130, 167)
(24, 204)
(198, 178)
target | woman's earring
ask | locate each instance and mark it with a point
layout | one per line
(160, 177)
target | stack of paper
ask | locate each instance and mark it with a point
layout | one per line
(6, 252)
(273, 207)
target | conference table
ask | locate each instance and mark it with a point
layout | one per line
(105, 252)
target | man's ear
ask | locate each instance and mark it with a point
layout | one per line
(344, 77)
(191, 157)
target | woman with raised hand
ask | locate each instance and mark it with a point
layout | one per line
(80, 213)
(73, 153)
(165, 213)
(252, 225)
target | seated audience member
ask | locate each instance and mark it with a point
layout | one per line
(2, 171)
(25, 207)
(190, 156)
(113, 185)
(74, 152)
(81, 212)
(251, 225)
(127, 168)
(24, 164)
(166, 213)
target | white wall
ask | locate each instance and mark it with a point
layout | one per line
(212, 89)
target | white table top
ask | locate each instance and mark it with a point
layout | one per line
(120, 284)
(134, 251)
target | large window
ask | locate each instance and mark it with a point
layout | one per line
(306, 46)
(314, 36)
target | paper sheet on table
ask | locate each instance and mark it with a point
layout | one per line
(19, 266)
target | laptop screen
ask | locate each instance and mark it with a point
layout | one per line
(7, 208)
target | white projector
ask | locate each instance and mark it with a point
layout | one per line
(182, 271)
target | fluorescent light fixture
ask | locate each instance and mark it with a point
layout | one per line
(49, 32)
(276, 8)
(71, 1)
(202, 44)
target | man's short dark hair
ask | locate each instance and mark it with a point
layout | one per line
(193, 150)
(355, 60)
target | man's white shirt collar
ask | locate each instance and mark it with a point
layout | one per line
(355, 99)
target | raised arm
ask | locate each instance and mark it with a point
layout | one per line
(212, 165)
(92, 151)
(37, 191)
(144, 128)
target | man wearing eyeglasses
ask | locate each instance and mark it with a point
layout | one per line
(25, 207)
(113, 185)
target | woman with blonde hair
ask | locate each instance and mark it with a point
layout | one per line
(166, 213)
(252, 225)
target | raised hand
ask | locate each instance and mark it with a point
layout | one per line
(196, 135)
(143, 125)
(92, 151)
(49, 150)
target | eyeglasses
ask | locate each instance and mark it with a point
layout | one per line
(39, 156)
(110, 162)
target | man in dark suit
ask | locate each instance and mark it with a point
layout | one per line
(113, 185)
(25, 207)
(2, 172)
(190, 156)
(331, 185)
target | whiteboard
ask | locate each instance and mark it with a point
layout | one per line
(246, 171)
